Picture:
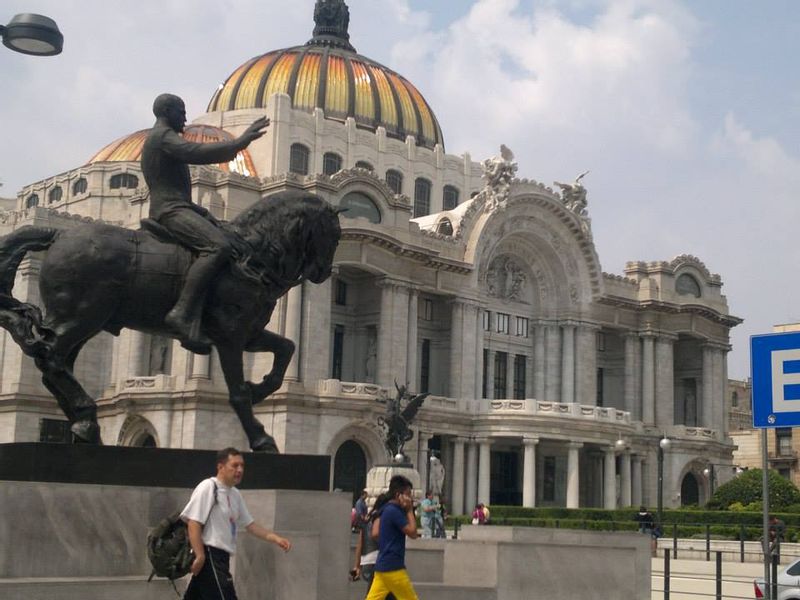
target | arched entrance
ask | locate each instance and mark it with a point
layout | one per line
(350, 468)
(690, 490)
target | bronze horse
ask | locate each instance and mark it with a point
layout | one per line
(97, 277)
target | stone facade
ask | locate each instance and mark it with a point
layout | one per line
(552, 381)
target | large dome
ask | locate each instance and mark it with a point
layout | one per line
(129, 148)
(327, 73)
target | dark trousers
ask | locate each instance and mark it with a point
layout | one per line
(214, 581)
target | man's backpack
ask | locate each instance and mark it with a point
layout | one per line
(168, 546)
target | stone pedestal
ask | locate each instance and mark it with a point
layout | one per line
(378, 478)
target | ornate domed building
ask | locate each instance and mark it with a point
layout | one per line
(551, 382)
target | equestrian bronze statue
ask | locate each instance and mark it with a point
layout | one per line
(97, 277)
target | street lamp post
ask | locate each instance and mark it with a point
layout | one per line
(663, 445)
(711, 473)
(32, 34)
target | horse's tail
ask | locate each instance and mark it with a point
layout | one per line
(23, 320)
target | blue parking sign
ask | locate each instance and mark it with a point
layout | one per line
(775, 372)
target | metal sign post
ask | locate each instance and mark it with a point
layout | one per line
(775, 372)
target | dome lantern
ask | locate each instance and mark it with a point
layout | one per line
(331, 21)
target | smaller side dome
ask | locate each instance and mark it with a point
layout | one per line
(129, 148)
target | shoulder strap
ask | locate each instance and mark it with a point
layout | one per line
(208, 516)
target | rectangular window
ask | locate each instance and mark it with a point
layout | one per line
(54, 431)
(502, 323)
(600, 376)
(601, 341)
(487, 320)
(338, 352)
(341, 292)
(783, 436)
(549, 479)
(427, 309)
(485, 379)
(522, 327)
(500, 375)
(425, 367)
(520, 366)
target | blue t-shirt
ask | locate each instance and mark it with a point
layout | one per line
(392, 540)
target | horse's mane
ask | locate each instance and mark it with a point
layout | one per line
(287, 222)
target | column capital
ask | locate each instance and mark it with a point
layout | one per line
(586, 326)
(465, 302)
(460, 439)
(574, 445)
(483, 440)
(713, 345)
(530, 440)
(395, 284)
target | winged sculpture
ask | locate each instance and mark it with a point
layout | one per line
(396, 423)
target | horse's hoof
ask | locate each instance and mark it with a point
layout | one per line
(86, 432)
(265, 444)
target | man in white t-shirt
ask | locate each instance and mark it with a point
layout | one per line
(215, 513)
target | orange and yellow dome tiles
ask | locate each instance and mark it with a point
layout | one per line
(340, 82)
(129, 148)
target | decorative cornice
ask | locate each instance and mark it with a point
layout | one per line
(670, 308)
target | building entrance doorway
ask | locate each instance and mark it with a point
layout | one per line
(690, 490)
(350, 469)
(506, 486)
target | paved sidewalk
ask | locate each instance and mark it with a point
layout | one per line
(695, 579)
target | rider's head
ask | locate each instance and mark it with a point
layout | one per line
(171, 108)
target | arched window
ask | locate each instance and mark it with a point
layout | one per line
(331, 163)
(298, 159)
(687, 286)
(735, 400)
(124, 181)
(350, 468)
(445, 227)
(450, 197)
(422, 197)
(55, 194)
(80, 186)
(32, 200)
(394, 179)
(362, 164)
(360, 205)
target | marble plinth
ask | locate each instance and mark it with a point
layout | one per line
(378, 479)
(66, 534)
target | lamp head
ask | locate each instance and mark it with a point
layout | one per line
(665, 443)
(33, 34)
(620, 445)
(399, 457)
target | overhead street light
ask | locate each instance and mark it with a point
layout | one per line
(32, 34)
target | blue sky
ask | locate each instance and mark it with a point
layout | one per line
(686, 113)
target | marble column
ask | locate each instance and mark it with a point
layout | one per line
(586, 364)
(485, 470)
(625, 479)
(489, 374)
(411, 343)
(648, 379)
(478, 374)
(706, 409)
(610, 479)
(457, 477)
(665, 381)
(539, 364)
(636, 480)
(457, 314)
(726, 406)
(631, 343)
(718, 387)
(552, 363)
(138, 357)
(201, 366)
(392, 333)
(294, 312)
(422, 458)
(529, 472)
(471, 485)
(573, 475)
(568, 363)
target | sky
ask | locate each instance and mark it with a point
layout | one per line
(686, 113)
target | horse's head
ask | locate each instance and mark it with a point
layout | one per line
(295, 235)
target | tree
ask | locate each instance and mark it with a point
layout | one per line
(746, 489)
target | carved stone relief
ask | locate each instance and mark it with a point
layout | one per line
(506, 279)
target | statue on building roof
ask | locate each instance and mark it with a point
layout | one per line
(574, 195)
(331, 24)
(498, 173)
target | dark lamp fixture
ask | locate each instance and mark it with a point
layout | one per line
(32, 34)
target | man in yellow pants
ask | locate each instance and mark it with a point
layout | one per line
(395, 522)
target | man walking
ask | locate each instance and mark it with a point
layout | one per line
(215, 512)
(395, 521)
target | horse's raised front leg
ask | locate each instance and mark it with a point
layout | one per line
(283, 349)
(240, 398)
